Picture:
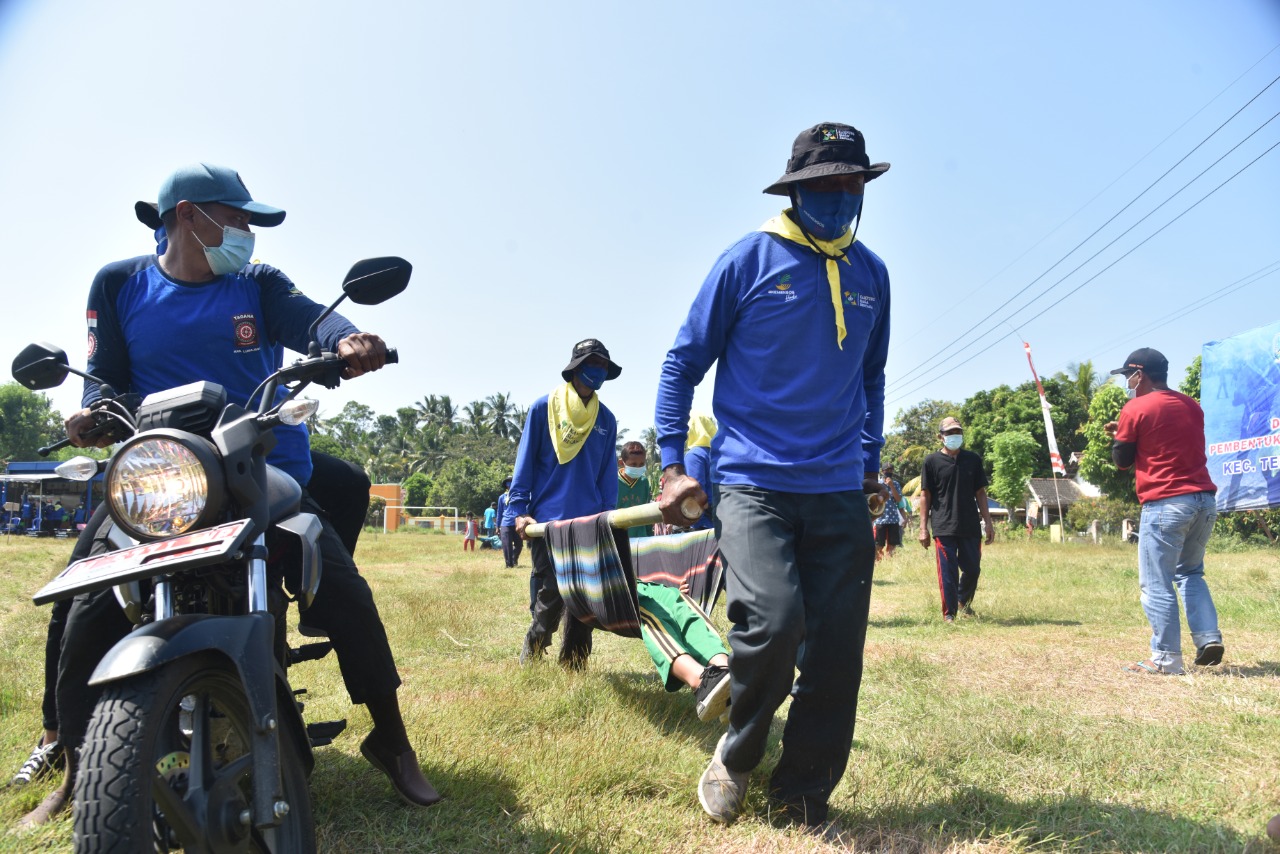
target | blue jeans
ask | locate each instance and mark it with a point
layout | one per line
(1171, 542)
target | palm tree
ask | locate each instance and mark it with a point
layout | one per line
(517, 422)
(1084, 377)
(475, 415)
(501, 410)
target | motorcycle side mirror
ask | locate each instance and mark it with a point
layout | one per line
(40, 366)
(376, 280)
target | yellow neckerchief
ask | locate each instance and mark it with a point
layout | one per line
(702, 429)
(570, 420)
(783, 226)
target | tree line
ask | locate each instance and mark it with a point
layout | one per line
(457, 455)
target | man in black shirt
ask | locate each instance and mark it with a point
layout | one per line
(953, 494)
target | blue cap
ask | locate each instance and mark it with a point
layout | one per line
(203, 182)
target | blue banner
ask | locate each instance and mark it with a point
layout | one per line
(1240, 395)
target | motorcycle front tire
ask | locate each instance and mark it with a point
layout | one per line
(142, 735)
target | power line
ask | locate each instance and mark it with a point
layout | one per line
(1107, 267)
(1074, 214)
(984, 335)
(931, 360)
(1195, 305)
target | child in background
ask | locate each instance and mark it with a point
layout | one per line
(469, 533)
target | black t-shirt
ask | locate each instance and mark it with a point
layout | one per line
(952, 483)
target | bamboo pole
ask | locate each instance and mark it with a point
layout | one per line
(628, 517)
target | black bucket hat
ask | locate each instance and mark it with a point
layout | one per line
(826, 149)
(584, 350)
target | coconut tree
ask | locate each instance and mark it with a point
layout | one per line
(501, 411)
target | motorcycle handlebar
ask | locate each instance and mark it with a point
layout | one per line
(393, 356)
(56, 446)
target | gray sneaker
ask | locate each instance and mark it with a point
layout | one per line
(721, 791)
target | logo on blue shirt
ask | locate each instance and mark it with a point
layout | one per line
(854, 299)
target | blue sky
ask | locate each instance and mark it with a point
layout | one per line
(557, 171)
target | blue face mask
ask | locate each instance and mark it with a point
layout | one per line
(953, 442)
(235, 252)
(826, 214)
(636, 472)
(593, 376)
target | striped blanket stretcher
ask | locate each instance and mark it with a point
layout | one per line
(597, 568)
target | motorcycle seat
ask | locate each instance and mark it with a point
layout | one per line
(284, 496)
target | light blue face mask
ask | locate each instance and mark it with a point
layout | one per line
(826, 214)
(953, 442)
(1131, 391)
(593, 376)
(235, 252)
(636, 472)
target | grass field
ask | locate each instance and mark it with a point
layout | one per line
(1013, 731)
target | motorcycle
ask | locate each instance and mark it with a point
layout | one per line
(198, 740)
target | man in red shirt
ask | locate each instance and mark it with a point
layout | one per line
(1160, 435)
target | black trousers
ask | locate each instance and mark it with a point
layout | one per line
(799, 590)
(511, 545)
(342, 489)
(959, 565)
(58, 625)
(344, 607)
(548, 612)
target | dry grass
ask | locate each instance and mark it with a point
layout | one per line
(1016, 731)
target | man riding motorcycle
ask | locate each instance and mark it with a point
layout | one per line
(201, 311)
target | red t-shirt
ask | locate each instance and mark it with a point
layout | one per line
(1168, 429)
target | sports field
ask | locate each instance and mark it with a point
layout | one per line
(1012, 731)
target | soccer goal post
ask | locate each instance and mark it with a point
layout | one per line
(453, 511)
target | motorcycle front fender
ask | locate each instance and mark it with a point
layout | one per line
(246, 641)
(306, 527)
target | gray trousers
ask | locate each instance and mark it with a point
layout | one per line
(799, 588)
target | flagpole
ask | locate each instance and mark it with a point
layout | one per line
(1055, 458)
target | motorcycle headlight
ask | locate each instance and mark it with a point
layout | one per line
(163, 483)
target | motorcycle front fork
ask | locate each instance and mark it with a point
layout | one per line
(255, 581)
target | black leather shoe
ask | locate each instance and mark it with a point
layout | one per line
(403, 772)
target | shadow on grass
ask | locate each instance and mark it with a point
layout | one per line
(1074, 823)
(669, 712)
(906, 622)
(356, 810)
(1026, 621)
(1262, 668)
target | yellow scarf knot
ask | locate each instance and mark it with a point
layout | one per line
(570, 420)
(783, 226)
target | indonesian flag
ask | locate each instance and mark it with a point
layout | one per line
(1054, 457)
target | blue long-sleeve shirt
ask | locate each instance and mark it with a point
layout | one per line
(796, 413)
(148, 333)
(699, 466)
(547, 490)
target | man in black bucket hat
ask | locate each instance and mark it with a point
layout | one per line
(795, 316)
(565, 468)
